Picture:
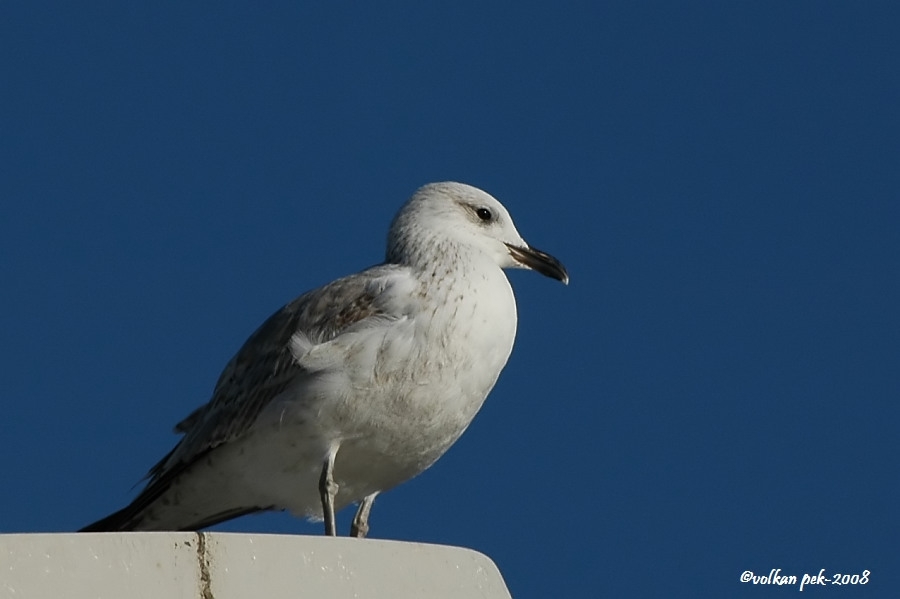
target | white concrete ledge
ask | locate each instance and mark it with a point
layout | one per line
(159, 565)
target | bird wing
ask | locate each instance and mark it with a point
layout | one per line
(266, 364)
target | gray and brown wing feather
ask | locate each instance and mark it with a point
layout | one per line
(265, 365)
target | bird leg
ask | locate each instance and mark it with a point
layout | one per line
(328, 490)
(360, 526)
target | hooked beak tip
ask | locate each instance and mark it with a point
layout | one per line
(539, 261)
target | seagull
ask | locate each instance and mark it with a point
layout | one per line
(357, 386)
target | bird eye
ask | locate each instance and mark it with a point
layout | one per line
(484, 214)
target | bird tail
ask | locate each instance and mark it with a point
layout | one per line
(144, 514)
(129, 519)
(122, 520)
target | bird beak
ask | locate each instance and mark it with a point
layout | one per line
(542, 262)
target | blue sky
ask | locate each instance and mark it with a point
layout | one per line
(716, 391)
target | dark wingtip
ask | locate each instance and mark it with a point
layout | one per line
(116, 522)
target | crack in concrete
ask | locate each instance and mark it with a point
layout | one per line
(203, 561)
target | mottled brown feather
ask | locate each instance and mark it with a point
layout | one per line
(265, 365)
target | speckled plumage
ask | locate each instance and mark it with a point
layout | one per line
(383, 370)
